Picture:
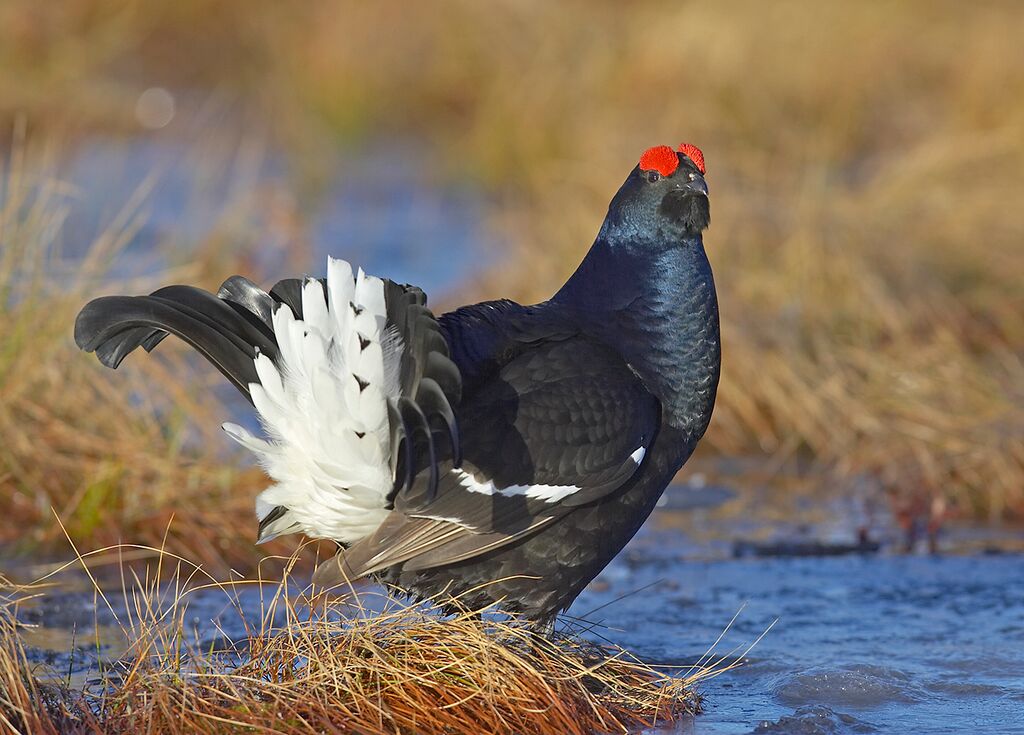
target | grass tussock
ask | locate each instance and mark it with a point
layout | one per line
(23, 705)
(313, 665)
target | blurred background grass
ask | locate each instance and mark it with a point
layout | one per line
(866, 162)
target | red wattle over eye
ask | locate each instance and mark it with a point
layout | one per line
(661, 158)
(695, 154)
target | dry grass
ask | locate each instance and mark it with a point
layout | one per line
(330, 665)
(23, 708)
(865, 164)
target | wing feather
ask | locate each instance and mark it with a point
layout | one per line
(562, 424)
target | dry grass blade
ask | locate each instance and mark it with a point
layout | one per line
(23, 708)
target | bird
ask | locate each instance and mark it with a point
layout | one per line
(496, 456)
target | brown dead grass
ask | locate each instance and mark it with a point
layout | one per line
(334, 666)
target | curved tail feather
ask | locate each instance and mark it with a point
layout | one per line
(350, 375)
(113, 326)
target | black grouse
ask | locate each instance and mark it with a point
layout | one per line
(499, 453)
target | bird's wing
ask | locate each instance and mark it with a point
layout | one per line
(562, 424)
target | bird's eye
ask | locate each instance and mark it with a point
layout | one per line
(653, 176)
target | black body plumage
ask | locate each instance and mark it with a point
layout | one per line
(663, 320)
(529, 443)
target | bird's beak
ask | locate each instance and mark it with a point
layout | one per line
(695, 184)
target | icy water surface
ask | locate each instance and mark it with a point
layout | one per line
(884, 643)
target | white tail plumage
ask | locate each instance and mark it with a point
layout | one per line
(324, 409)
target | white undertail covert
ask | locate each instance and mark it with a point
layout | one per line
(323, 407)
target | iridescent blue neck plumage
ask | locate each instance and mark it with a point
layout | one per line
(657, 305)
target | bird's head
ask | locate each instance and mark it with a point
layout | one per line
(664, 198)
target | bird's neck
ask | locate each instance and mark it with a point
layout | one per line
(657, 305)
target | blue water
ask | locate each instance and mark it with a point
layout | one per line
(883, 643)
(380, 211)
